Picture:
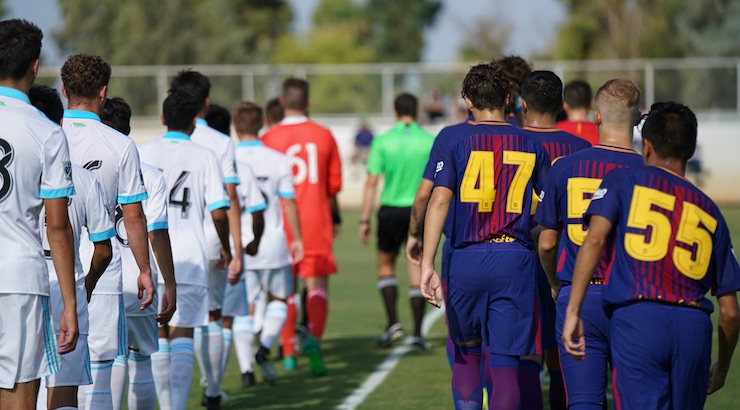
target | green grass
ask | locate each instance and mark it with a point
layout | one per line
(421, 379)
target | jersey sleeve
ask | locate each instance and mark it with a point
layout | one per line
(542, 168)
(286, 189)
(335, 169)
(727, 279)
(445, 174)
(375, 158)
(431, 166)
(155, 207)
(99, 224)
(56, 172)
(606, 200)
(547, 213)
(228, 165)
(130, 180)
(215, 193)
(250, 195)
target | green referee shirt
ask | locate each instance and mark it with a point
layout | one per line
(400, 155)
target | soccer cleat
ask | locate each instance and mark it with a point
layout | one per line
(289, 364)
(269, 374)
(301, 334)
(419, 343)
(393, 333)
(213, 403)
(313, 353)
(222, 397)
(248, 380)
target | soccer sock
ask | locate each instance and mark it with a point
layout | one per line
(161, 373)
(466, 389)
(304, 303)
(258, 315)
(98, 395)
(141, 391)
(317, 304)
(43, 396)
(557, 395)
(212, 345)
(529, 384)
(388, 288)
(505, 393)
(288, 333)
(275, 315)
(198, 351)
(243, 336)
(226, 354)
(418, 303)
(181, 371)
(118, 381)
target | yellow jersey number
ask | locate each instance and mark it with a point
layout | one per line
(479, 182)
(577, 190)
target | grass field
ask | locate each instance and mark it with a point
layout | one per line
(421, 379)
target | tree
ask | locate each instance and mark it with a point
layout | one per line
(397, 31)
(485, 39)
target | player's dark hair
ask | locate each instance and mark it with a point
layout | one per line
(48, 101)
(274, 111)
(543, 92)
(406, 105)
(84, 75)
(179, 110)
(516, 68)
(20, 46)
(577, 94)
(295, 94)
(486, 86)
(219, 118)
(116, 114)
(247, 118)
(671, 128)
(195, 83)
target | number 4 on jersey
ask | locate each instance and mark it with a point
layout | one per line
(183, 203)
(479, 180)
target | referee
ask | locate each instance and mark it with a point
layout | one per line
(400, 155)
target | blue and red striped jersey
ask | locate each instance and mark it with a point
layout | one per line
(492, 169)
(573, 180)
(557, 143)
(671, 242)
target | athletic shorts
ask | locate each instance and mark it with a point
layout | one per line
(108, 334)
(313, 266)
(216, 286)
(27, 338)
(56, 304)
(277, 282)
(546, 311)
(131, 300)
(490, 290)
(74, 367)
(661, 354)
(393, 227)
(143, 335)
(192, 306)
(235, 299)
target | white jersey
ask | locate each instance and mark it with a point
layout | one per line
(34, 165)
(196, 188)
(275, 181)
(251, 199)
(155, 210)
(223, 147)
(113, 159)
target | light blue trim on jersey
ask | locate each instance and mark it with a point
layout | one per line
(218, 205)
(125, 200)
(286, 195)
(257, 208)
(14, 93)
(57, 193)
(202, 121)
(101, 236)
(175, 135)
(82, 115)
(247, 144)
(232, 180)
(157, 226)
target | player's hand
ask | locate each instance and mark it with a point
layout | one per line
(145, 284)
(68, 331)
(573, 336)
(337, 230)
(431, 286)
(251, 248)
(555, 290)
(296, 251)
(364, 232)
(716, 379)
(89, 287)
(169, 305)
(236, 267)
(225, 259)
(413, 250)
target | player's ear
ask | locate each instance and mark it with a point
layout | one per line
(207, 103)
(35, 67)
(648, 151)
(469, 104)
(525, 106)
(597, 118)
(161, 116)
(64, 92)
(102, 93)
(566, 107)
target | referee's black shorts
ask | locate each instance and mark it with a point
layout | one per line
(393, 227)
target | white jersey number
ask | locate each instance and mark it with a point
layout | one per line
(303, 169)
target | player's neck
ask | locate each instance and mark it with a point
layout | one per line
(21, 85)
(578, 114)
(92, 105)
(248, 137)
(488, 115)
(406, 119)
(187, 132)
(539, 120)
(674, 165)
(294, 113)
(614, 138)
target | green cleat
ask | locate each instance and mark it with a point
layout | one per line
(289, 364)
(313, 353)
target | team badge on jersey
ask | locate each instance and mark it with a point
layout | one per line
(67, 170)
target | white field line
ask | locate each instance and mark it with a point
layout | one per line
(386, 367)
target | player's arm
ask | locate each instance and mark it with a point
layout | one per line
(368, 198)
(439, 205)
(416, 222)
(258, 228)
(235, 227)
(728, 328)
(102, 255)
(135, 222)
(336, 217)
(291, 214)
(548, 249)
(334, 185)
(221, 222)
(162, 248)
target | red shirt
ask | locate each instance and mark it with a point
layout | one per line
(583, 129)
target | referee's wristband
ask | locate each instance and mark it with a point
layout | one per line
(364, 221)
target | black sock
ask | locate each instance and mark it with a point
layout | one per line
(418, 304)
(304, 309)
(389, 292)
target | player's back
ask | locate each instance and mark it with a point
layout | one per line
(557, 143)
(581, 129)
(220, 144)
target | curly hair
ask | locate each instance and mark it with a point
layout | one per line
(83, 75)
(486, 86)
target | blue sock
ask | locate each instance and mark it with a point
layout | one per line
(466, 386)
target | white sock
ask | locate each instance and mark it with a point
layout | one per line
(213, 347)
(275, 315)
(226, 354)
(259, 312)
(161, 372)
(198, 349)
(42, 397)
(243, 337)
(118, 381)
(98, 395)
(142, 394)
(181, 371)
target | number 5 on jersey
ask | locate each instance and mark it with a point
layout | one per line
(479, 180)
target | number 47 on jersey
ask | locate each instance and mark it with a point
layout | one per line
(479, 180)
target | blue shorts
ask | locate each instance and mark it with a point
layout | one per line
(490, 290)
(661, 354)
(546, 313)
(586, 380)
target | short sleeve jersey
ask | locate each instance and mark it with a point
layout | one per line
(400, 155)
(317, 175)
(275, 181)
(34, 165)
(492, 170)
(672, 243)
(251, 198)
(581, 129)
(195, 187)
(573, 181)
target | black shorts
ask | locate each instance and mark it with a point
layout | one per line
(393, 227)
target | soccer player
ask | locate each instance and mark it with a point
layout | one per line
(274, 112)
(114, 160)
(196, 186)
(516, 69)
(573, 180)
(400, 156)
(577, 102)
(48, 101)
(671, 245)
(219, 118)
(317, 174)
(491, 172)
(210, 338)
(35, 170)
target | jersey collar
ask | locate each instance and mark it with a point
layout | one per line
(176, 135)
(297, 119)
(402, 125)
(247, 144)
(201, 122)
(82, 115)
(14, 93)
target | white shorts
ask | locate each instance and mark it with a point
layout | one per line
(192, 306)
(277, 282)
(216, 286)
(107, 338)
(131, 298)
(27, 340)
(235, 299)
(74, 367)
(56, 303)
(143, 334)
